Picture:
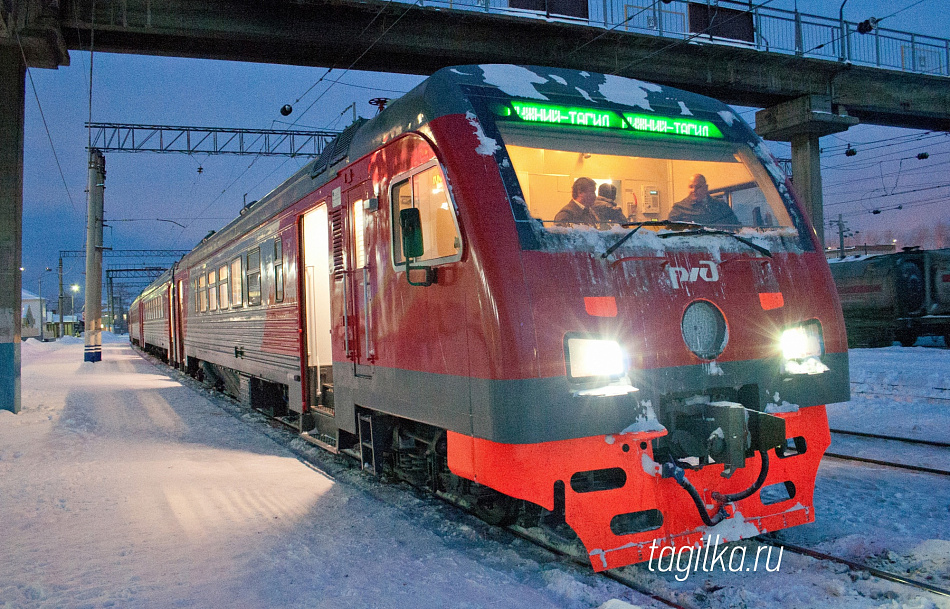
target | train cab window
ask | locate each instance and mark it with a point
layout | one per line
(212, 292)
(237, 287)
(653, 178)
(426, 191)
(223, 291)
(278, 269)
(253, 275)
(202, 294)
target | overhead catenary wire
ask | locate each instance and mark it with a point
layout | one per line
(903, 192)
(49, 135)
(344, 52)
(308, 108)
(355, 61)
(929, 166)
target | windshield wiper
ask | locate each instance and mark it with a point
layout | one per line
(702, 230)
(638, 225)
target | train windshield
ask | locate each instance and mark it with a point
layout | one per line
(582, 186)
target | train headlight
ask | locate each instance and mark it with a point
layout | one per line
(589, 358)
(802, 348)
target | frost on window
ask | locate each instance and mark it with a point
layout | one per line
(643, 179)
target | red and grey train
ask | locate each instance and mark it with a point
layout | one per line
(408, 295)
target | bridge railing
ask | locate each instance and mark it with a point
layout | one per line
(772, 29)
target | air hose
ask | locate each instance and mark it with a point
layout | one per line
(677, 473)
(680, 476)
(763, 473)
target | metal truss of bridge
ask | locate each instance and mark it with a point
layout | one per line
(115, 319)
(115, 137)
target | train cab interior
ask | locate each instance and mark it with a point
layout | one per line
(650, 176)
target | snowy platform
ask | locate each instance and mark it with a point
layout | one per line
(122, 486)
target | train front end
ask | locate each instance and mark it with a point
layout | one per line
(681, 366)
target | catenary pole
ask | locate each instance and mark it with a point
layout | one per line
(62, 300)
(93, 316)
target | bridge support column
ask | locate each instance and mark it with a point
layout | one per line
(802, 121)
(12, 87)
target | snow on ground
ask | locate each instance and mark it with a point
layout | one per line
(123, 485)
(901, 391)
(120, 487)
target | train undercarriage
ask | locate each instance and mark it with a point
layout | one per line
(701, 478)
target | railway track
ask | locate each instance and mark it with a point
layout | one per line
(884, 463)
(862, 434)
(874, 571)
(913, 468)
(581, 560)
(896, 393)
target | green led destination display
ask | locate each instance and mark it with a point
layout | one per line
(677, 126)
(608, 119)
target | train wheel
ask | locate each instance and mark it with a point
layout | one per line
(495, 508)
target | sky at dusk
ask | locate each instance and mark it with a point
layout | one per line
(148, 196)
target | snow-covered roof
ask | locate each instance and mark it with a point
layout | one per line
(27, 295)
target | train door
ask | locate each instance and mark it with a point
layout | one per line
(315, 253)
(179, 309)
(170, 315)
(360, 280)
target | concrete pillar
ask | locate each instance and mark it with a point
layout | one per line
(12, 83)
(806, 175)
(802, 121)
(97, 185)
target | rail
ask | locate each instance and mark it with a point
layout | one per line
(768, 29)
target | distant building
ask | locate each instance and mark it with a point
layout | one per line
(71, 325)
(833, 253)
(31, 315)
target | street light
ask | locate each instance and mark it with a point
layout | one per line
(42, 314)
(72, 298)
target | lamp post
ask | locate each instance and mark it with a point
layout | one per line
(42, 314)
(72, 307)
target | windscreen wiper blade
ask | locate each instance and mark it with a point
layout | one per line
(638, 225)
(702, 230)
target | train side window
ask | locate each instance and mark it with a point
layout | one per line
(253, 273)
(212, 292)
(237, 286)
(223, 291)
(426, 190)
(279, 269)
(202, 294)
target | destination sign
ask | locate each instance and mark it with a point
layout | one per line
(575, 116)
